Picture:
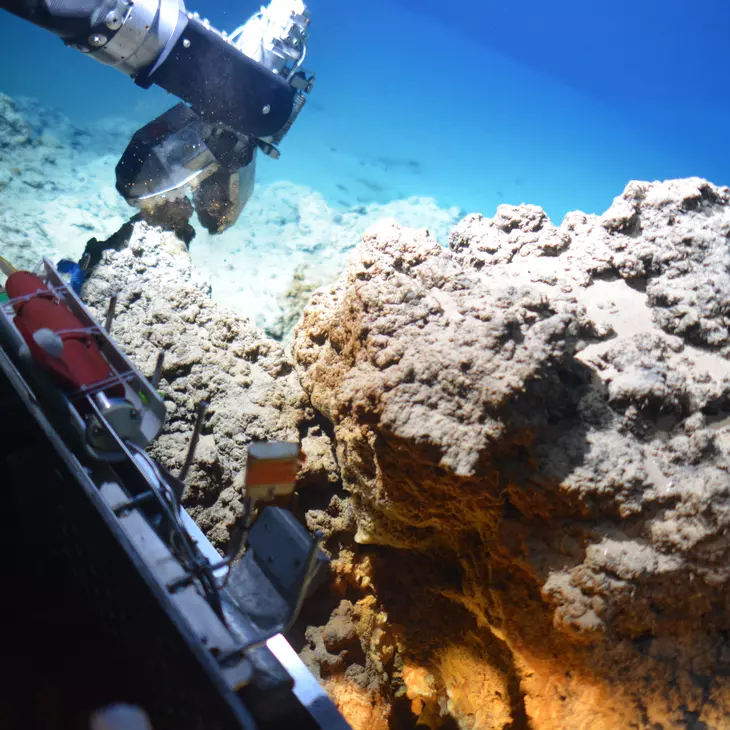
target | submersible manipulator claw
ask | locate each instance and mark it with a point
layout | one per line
(240, 92)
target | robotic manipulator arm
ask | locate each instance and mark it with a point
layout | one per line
(240, 92)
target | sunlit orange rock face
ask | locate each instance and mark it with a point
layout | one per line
(532, 431)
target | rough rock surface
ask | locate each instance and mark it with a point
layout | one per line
(211, 355)
(533, 427)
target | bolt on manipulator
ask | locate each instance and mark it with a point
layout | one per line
(240, 93)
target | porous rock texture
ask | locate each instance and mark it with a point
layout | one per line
(533, 432)
(211, 355)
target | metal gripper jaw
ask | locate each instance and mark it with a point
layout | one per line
(184, 150)
(178, 152)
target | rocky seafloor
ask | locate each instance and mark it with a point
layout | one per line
(518, 452)
(57, 191)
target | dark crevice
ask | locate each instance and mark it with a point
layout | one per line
(116, 242)
(312, 498)
(172, 371)
(608, 275)
(520, 721)
(638, 283)
(692, 720)
(319, 420)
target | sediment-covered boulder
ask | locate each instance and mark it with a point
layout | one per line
(533, 427)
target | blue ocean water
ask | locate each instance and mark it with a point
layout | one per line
(473, 103)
